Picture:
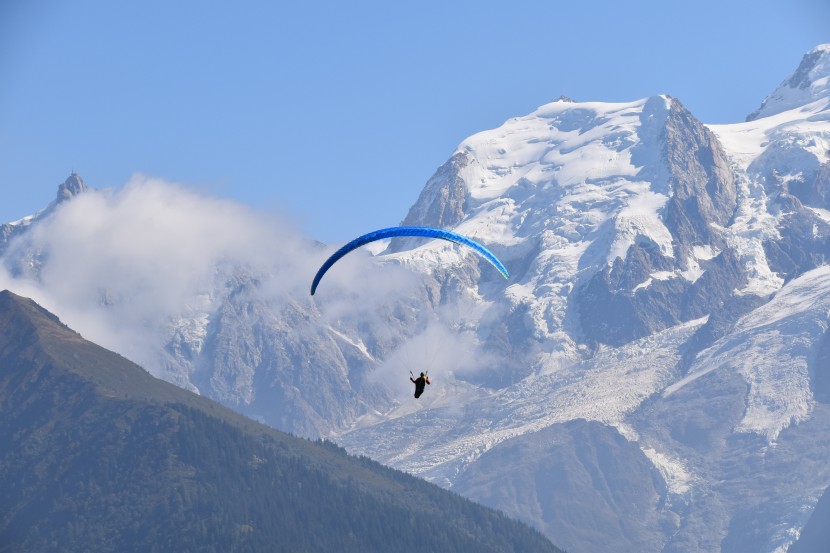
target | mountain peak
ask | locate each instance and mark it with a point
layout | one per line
(73, 186)
(808, 83)
(814, 65)
(70, 188)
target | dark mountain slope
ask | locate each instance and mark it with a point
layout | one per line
(97, 455)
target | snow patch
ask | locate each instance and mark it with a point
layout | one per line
(356, 344)
(674, 472)
(641, 217)
(705, 252)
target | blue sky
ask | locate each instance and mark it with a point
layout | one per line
(335, 114)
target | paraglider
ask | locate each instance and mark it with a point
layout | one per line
(420, 383)
(391, 232)
(427, 232)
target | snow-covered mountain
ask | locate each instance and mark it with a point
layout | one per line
(653, 377)
(665, 326)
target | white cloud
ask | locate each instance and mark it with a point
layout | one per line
(120, 266)
(117, 265)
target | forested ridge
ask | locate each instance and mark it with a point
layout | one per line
(96, 455)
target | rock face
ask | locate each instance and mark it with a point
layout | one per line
(254, 360)
(444, 198)
(614, 305)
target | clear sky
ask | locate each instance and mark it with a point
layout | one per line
(335, 114)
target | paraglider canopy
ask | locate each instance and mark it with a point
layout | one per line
(391, 232)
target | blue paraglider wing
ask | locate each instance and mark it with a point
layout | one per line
(426, 232)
